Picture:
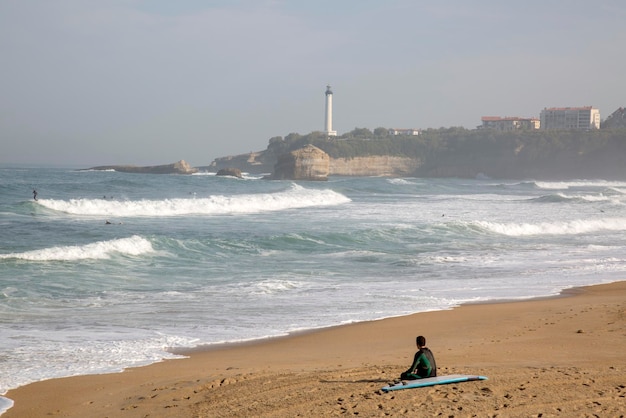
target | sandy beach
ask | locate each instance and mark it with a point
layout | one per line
(550, 357)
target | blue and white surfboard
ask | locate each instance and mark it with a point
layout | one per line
(432, 381)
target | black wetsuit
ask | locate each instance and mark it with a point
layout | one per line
(423, 366)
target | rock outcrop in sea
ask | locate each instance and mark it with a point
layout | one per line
(261, 162)
(180, 167)
(230, 171)
(307, 163)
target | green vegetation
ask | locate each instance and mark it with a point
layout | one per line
(461, 152)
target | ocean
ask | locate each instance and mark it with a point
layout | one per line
(109, 270)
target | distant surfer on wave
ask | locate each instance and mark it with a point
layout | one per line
(34, 194)
(423, 362)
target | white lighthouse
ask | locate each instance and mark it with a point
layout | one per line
(328, 120)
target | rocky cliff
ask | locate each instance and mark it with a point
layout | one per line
(374, 165)
(307, 163)
(180, 167)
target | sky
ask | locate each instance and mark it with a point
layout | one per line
(148, 82)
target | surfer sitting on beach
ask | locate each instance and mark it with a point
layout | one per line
(423, 363)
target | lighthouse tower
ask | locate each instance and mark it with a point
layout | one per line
(328, 120)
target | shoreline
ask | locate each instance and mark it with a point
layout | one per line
(494, 338)
(187, 351)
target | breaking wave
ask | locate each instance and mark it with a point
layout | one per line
(559, 185)
(562, 197)
(133, 246)
(295, 197)
(553, 228)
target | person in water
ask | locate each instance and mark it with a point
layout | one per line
(35, 194)
(423, 362)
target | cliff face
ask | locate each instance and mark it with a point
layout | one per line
(311, 163)
(375, 165)
(308, 163)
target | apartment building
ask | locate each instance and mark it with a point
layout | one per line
(583, 118)
(395, 131)
(509, 123)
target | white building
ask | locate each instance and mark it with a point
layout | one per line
(583, 118)
(509, 123)
(328, 120)
(396, 131)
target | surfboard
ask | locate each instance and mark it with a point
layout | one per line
(432, 381)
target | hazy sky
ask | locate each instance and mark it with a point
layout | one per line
(89, 82)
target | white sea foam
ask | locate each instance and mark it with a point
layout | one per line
(272, 286)
(204, 173)
(295, 197)
(244, 175)
(5, 404)
(134, 246)
(559, 185)
(399, 181)
(79, 356)
(555, 228)
(449, 259)
(580, 197)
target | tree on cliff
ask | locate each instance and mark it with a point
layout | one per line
(381, 132)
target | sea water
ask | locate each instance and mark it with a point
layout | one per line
(109, 270)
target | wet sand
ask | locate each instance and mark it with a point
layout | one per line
(563, 356)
